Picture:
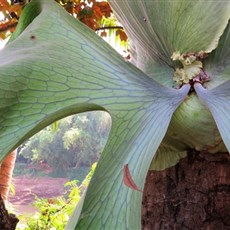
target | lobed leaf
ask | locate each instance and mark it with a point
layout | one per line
(166, 156)
(53, 67)
(218, 102)
(159, 28)
(218, 63)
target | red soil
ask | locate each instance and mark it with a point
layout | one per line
(27, 188)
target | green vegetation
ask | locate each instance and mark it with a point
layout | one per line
(69, 149)
(54, 213)
(54, 66)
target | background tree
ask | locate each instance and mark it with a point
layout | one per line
(141, 99)
(97, 15)
(77, 142)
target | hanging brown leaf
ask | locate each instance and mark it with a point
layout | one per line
(128, 181)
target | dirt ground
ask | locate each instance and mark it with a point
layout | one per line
(28, 187)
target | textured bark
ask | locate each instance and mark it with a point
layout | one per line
(194, 194)
(6, 171)
(7, 221)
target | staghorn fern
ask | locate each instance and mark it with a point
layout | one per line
(54, 66)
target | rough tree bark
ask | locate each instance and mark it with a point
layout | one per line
(194, 194)
(7, 221)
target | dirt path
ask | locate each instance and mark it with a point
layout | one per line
(27, 188)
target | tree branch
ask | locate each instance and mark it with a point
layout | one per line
(5, 28)
(109, 28)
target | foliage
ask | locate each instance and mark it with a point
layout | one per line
(12, 189)
(87, 179)
(54, 213)
(93, 13)
(47, 79)
(90, 12)
(11, 13)
(77, 142)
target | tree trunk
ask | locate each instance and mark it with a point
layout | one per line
(194, 194)
(7, 221)
(6, 171)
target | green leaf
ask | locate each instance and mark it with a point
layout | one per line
(56, 67)
(134, 138)
(218, 102)
(30, 13)
(166, 156)
(222, 53)
(72, 223)
(218, 63)
(159, 28)
(191, 126)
